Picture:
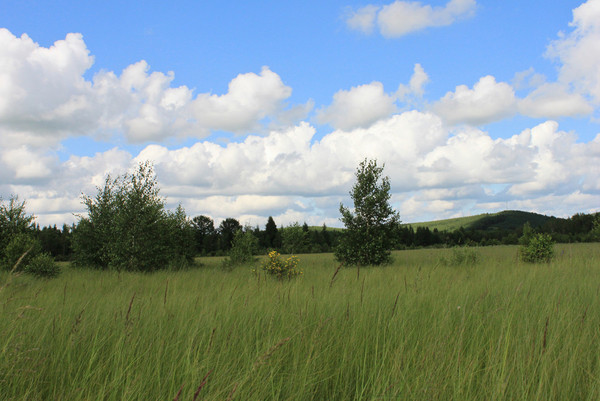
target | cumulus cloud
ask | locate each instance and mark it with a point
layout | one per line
(554, 101)
(403, 17)
(44, 98)
(42, 90)
(250, 98)
(488, 101)
(358, 107)
(291, 176)
(362, 106)
(416, 85)
(579, 51)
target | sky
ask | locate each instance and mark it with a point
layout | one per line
(258, 109)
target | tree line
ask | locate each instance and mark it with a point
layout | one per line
(127, 226)
(215, 240)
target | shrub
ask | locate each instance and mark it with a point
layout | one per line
(43, 265)
(540, 248)
(22, 248)
(244, 246)
(463, 256)
(280, 268)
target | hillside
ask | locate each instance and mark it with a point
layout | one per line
(506, 220)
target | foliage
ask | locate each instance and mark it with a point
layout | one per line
(280, 268)
(461, 256)
(527, 235)
(205, 235)
(368, 237)
(55, 241)
(43, 265)
(227, 230)
(540, 248)
(295, 239)
(128, 228)
(272, 236)
(595, 233)
(14, 220)
(23, 247)
(244, 246)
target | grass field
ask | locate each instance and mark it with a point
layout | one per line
(414, 330)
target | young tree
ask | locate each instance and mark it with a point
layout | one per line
(127, 226)
(368, 237)
(243, 248)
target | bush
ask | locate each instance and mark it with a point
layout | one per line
(21, 249)
(244, 247)
(280, 268)
(540, 248)
(43, 265)
(463, 256)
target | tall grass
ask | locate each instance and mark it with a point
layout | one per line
(417, 329)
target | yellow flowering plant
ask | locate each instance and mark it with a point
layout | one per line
(281, 268)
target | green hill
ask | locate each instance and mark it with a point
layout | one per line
(506, 220)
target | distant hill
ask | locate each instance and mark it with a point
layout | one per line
(506, 220)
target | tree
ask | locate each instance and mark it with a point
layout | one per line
(272, 235)
(243, 249)
(19, 247)
(205, 234)
(227, 230)
(127, 226)
(368, 237)
(14, 220)
(294, 239)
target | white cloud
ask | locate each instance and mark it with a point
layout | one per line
(403, 17)
(44, 98)
(360, 106)
(488, 101)
(42, 90)
(250, 98)
(363, 19)
(416, 85)
(528, 79)
(579, 51)
(291, 176)
(554, 101)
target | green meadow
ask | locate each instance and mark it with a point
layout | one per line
(414, 330)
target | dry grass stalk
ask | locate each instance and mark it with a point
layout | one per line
(394, 307)
(77, 321)
(545, 335)
(230, 397)
(265, 357)
(178, 393)
(201, 385)
(335, 274)
(166, 290)
(212, 335)
(129, 310)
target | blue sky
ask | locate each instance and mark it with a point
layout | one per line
(255, 109)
